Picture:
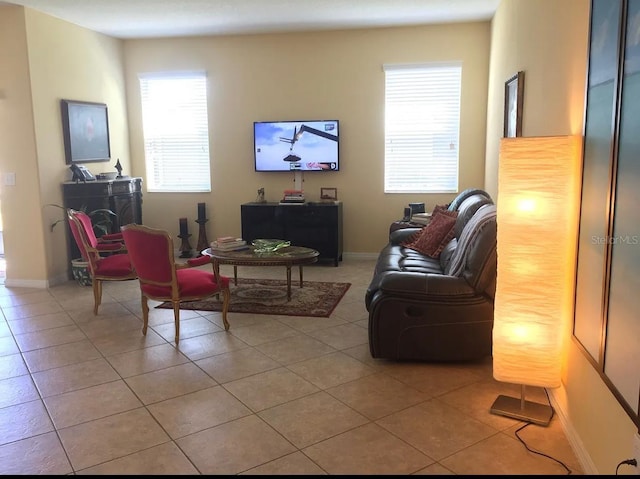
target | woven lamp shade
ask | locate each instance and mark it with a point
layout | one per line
(537, 219)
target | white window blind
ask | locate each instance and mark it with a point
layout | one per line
(176, 132)
(422, 128)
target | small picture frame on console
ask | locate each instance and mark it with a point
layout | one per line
(328, 194)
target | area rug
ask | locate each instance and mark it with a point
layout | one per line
(269, 296)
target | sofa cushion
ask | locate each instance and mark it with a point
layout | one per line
(447, 253)
(431, 239)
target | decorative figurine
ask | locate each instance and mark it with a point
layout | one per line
(185, 247)
(203, 242)
(260, 198)
(119, 168)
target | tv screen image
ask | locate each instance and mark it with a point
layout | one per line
(296, 145)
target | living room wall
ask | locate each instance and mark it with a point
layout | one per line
(258, 77)
(21, 212)
(548, 40)
(47, 59)
(319, 75)
(545, 38)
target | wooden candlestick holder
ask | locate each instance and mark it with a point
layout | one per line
(185, 247)
(203, 242)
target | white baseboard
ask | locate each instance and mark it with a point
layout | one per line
(588, 467)
(26, 283)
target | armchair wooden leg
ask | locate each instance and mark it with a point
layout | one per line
(145, 314)
(97, 294)
(176, 318)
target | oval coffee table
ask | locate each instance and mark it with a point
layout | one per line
(287, 257)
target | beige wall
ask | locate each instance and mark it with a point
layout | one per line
(21, 211)
(336, 74)
(69, 62)
(548, 40)
(53, 60)
(309, 76)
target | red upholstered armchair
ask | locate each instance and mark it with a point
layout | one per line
(114, 267)
(162, 279)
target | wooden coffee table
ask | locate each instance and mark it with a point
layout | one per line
(287, 257)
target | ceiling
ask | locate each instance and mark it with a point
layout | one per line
(171, 18)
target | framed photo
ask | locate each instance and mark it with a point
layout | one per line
(328, 194)
(85, 128)
(513, 101)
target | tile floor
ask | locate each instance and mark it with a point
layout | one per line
(85, 394)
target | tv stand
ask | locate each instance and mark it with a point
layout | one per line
(313, 225)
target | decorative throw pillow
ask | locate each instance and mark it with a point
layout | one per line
(431, 239)
(440, 208)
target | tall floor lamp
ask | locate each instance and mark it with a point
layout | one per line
(537, 218)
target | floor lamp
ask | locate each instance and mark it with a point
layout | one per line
(537, 218)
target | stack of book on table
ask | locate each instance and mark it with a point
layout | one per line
(421, 218)
(228, 243)
(293, 196)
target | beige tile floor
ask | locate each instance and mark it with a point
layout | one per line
(85, 394)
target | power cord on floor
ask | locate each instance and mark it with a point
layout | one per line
(628, 462)
(537, 452)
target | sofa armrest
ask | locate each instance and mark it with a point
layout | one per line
(398, 236)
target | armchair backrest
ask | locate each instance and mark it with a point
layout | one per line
(87, 226)
(83, 234)
(151, 253)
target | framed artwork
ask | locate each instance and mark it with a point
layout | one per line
(513, 101)
(85, 128)
(328, 194)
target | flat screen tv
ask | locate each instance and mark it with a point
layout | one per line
(296, 145)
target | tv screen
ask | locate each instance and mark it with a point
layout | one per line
(296, 145)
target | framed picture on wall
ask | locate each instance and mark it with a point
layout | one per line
(85, 128)
(513, 101)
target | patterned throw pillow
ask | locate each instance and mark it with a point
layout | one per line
(440, 209)
(431, 239)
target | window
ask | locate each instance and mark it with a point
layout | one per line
(176, 132)
(422, 128)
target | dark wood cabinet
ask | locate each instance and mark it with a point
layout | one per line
(122, 196)
(313, 225)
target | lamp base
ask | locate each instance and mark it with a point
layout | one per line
(523, 410)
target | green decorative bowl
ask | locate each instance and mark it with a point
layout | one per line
(269, 245)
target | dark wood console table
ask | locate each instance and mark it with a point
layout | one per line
(312, 225)
(123, 196)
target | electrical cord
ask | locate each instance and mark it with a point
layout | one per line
(628, 462)
(538, 452)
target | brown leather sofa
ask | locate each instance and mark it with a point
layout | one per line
(428, 309)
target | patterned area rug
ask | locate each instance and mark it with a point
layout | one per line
(269, 296)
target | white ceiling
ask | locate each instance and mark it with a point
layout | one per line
(170, 18)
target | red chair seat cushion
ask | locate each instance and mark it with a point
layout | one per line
(192, 283)
(114, 266)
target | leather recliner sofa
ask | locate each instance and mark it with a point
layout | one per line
(421, 308)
